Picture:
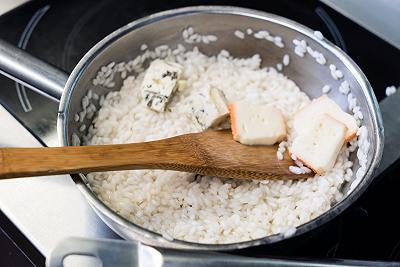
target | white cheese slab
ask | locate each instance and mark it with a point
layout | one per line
(319, 147)
(307, 117)
(256, 124)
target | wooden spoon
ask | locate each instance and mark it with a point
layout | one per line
(208, 153)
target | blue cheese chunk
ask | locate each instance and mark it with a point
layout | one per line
(160, 83)
(210, 110)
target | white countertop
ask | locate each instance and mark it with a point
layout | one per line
(46, 209)
(7, 5)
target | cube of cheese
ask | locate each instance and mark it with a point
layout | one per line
(256, 124)
(209, 110)
(319, 147)
(219, 100)
(160, 83)
(307, 117)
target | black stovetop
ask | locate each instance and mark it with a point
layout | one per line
(60, 32)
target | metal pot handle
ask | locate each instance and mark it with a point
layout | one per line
(112, 252)
(31, 72)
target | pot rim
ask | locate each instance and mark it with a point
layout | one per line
(152, 238)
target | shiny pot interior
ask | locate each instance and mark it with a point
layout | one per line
(166, 29)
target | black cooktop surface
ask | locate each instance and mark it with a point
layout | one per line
(60, 32)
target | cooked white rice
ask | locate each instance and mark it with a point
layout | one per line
(207, 209)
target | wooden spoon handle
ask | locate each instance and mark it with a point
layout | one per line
(23, 162)
(208, 153)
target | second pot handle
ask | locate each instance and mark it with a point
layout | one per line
(31, 72)
(114, 252)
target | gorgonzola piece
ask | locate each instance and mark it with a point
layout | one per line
(210, 110)
(160, 83)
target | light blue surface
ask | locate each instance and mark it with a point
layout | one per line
(381, 17)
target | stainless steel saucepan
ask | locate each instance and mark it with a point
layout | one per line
(166, 28)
